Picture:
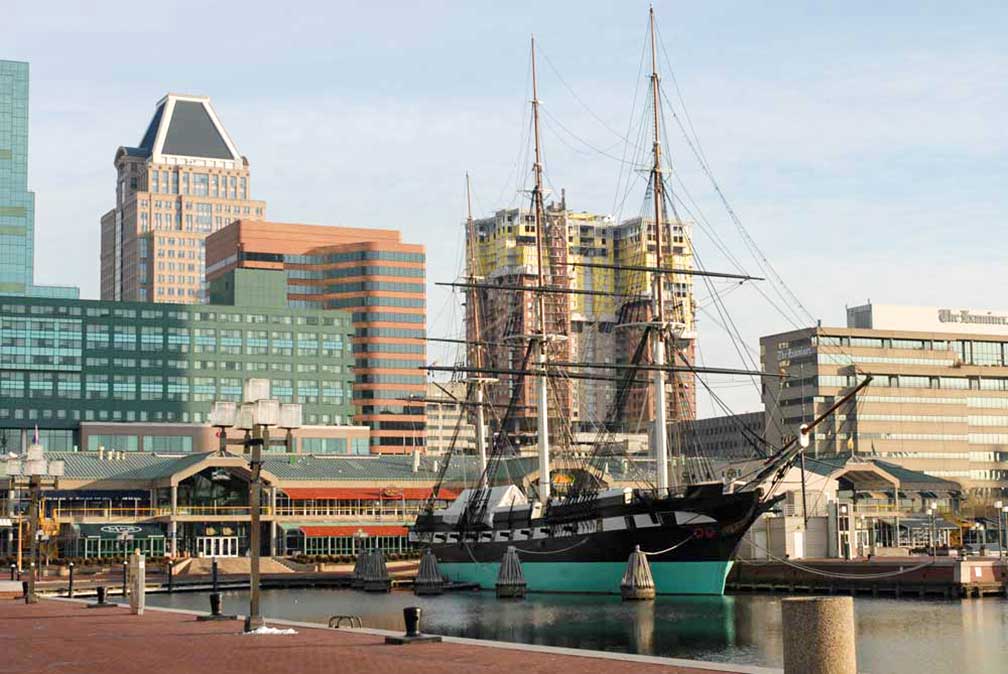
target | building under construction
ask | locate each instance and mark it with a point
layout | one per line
(598, 297)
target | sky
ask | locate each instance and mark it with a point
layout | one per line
(861, 145)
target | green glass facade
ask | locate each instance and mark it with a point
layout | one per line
(17, 203)
(67, 361)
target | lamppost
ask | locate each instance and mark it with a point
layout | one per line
(997, 510)
(931, 531)
(1003, 517)
(257, 413)
(35, 473)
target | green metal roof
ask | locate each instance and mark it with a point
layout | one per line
(139, 466)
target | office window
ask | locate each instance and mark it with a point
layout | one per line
(201, 184)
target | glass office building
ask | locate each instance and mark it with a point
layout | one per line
(64, 362)
(17, 203)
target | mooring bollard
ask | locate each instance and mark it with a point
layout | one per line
(411, 618)
(818, 635)
(13, 571)
(638, 583)
(24, 590)
(510, 577)
(429, 579)
(215, 597)
(70, 566)
(169, 569)
(101, 603)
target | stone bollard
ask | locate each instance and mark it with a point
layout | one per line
(510, 578)
(818, 635)
(137, 582)
(638, 583)
(411, 617)
(357, 579)
(429, 579)
(375, 575)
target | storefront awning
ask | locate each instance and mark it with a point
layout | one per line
(116, 531)
(314, 531)
(367, 493)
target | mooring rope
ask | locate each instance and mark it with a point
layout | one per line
(552, 552)
(833, 574)
(677, 545)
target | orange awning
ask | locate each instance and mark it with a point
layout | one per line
(366, 493)
(326, 530)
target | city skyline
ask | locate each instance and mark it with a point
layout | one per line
(838, 141)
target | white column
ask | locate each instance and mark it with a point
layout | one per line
(480, 428)
(543, 425)
(173, 525)
(660, 424)
(273, 523)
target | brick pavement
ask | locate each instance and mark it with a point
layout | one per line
(62, 637)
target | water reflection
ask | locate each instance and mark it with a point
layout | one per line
(899, 636)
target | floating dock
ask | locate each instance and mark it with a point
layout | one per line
(886, 576)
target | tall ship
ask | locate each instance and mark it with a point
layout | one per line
(578, 538)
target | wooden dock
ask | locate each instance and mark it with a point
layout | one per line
(942, 577)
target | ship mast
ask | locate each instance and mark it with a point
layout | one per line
(475, 349)
(539, 214)
(658, 301)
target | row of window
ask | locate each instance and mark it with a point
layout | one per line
(9, 311)
(351, 272)
(73, 386)
(355, 256)
(33, 415)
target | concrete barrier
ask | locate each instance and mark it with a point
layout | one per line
(818, 635)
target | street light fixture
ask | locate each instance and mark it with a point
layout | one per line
(256, 414)
(35, 473)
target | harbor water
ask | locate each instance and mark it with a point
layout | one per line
(894, 636)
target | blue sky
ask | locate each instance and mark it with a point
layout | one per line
(863, 145)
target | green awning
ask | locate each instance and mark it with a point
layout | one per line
(130, 532)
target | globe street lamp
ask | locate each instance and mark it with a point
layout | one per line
(35, 473)
(257, 413)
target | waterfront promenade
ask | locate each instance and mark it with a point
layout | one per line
(64, 637)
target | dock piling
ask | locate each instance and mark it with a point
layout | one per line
(429, 580)
(375, 573)
(638, 583)
(510, 578)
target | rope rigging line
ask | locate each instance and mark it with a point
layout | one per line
(833, 574)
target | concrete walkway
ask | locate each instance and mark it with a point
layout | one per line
(64, 637)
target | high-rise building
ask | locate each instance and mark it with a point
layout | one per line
(593, 318)
(184, 180)
(17, 203)
(142, 376)
(937, 402)
(449, 427)
(368, 272)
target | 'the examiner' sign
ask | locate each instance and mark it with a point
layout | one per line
(965, 317)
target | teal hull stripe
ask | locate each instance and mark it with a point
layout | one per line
(597, 577)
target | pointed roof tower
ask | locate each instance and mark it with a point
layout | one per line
(186, 127)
